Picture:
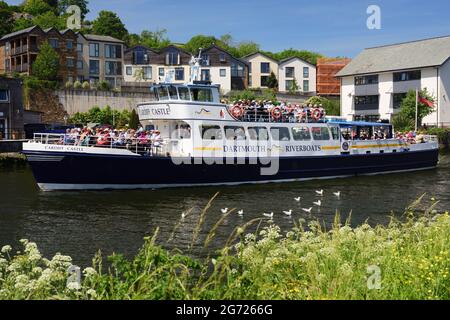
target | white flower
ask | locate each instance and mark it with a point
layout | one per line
(92, 293)
(6, 249)
(73, 286)
(89, 272)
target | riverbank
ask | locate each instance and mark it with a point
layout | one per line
(12, 158)
(403, 260)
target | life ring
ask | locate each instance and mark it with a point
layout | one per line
(276, 113)
(316, 114)
(237, 111)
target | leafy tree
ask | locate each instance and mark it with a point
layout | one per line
(47, 63)
(155, 39)
(332, 107)
(82, 4)
(21, 24)
(50, 20)
(308, 56)
(272, 81)
(138, 75)
(293, 88)
(227, 39)
(134, 120)
(408, 106)
(6, 19)
(52, 3)
(246, 48)
(36, 7)
(202, 41)
(109, 24)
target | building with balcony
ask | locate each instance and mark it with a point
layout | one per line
(100, 58)
(260, 68)
(296, 75)
(19, 50)
(374, 84)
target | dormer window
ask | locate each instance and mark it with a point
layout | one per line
(205, 60)
(222, 57)
(140, 56)
(172, 58)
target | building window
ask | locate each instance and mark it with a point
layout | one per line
(222, 57)
(172, 58)
(140, 56)
(7, 47)
(113, 68)
(265, 67)
(369, 118)
(94, 50)
(147, 71)
(179, 73)
(113, 51)
(93, 80)
(80, 78)
(111, 81)
(54, 43)
(237, 70)
(290, 72)
(249, 81)
(129, 71)
(364, 80)
(407, 76)
(79, 64)
(398, 99)
(4, 95)
(79, 47)
(94, 66)
(366, 102)
(264, 81)
(161, 72)
(223, 72)
(205, 60)
(7, 65)
(70, 62)
(305, 72)
(206, 76)
(289, 85)
(305, 85)
(69, 44)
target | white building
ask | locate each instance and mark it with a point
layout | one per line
(376, 81)
(296, 71)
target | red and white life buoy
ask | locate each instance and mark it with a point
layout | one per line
(237, 111)
(276, 113)
(316, 114)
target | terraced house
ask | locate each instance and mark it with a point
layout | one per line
(374, 84)
(19, 50)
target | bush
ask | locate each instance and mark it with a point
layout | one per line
(106, 115)
(403, 122)
(77, 85)
(332, 107)
(68, 85)
(86, 85)
(103, 86)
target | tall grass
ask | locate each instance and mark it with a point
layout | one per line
(307, 262)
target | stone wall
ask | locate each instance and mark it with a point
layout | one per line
(46, 101)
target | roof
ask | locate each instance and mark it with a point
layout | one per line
(96, 37)
(140, 46)
(17, 33)
(225, 51)
(295, 58)
(260, 53)
(357, 123)
(408, 55)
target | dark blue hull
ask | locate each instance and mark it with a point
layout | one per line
(86, 171)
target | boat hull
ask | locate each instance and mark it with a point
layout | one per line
(80, 171)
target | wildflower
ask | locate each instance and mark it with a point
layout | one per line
(239, 231)
(92, 293)
(6, 249)
(89, 272)
(73, 286)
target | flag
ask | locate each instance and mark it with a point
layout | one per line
(426, 102)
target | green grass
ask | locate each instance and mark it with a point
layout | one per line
(308, 262)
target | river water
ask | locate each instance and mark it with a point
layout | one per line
(80, 223)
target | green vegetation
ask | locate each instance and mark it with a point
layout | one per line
(120, 119)
(152, 39)
(308, 262)
(293, 88)
(47, 63)
(82, 4)
(134, 120)
(265, 94)
(405, 119)
(332, 107)
(12, 159)
(272, 81)
(108, 23)
(6, 18)
(308, 56)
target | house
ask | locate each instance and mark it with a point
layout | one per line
(100, 58)
(138, 65)
(327, 82)
(374, 84)
(260, 68)
(19, 50)
(11, 108)
(222, 68)
(295, 74)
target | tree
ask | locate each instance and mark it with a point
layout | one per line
(201, 41)
(247, 47)
(138, 75)
(155, 39)
(109, 24)
(82, 4)
(408, 107)
(22, 23)
(293, 88)
(50, 20)
(6, 19)
(272, 81)
(47, 63)
(308, 56)
(134, 120)
(332, 107)
(36, 7)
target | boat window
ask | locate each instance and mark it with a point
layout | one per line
(202, 94)
(182, 131)
(382, 132)
(162, 93)
(320, 133)
(335, 132)
(211, 132)
(184, 94)
(173, 92)
(280, 134)
(258, 133)
(301, 133)
(235, 133)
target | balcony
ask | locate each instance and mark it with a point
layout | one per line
(20, 68)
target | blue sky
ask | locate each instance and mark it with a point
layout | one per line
(331, 27)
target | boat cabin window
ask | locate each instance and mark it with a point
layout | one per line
(202, 94)
(182, 131)
(235, 133)
(382, 132)
(280, 134)
(162, 92)
(320, 133)
(173, 92)
(363, 133)
(335, 132)
(258, 133)
(184, 93)
(301, 133)
(211, 132)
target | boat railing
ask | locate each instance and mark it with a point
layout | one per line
(142, 146)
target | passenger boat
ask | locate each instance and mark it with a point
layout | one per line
(205, 142)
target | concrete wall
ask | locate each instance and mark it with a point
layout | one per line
(74, 101)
